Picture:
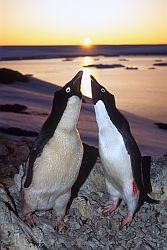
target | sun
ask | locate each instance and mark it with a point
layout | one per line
(87, 41)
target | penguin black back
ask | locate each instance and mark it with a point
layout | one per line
(60, 101)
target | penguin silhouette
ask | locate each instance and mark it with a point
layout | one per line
(56, 155)
(119, 153)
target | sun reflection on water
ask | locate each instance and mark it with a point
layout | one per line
(87, 60)
(86, 82)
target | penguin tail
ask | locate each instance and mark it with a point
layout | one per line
(150, 200)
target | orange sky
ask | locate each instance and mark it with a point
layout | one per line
(68, 22)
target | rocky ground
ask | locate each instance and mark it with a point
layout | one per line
(87, 227)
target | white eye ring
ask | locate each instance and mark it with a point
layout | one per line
(102, 90)
(68, 90)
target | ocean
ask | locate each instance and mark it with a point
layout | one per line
(138, 82)
(139, 86)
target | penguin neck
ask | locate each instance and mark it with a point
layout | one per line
(102, 117)
(70, 115)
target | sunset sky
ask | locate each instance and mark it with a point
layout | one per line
(71, 22)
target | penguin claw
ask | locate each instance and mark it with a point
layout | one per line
(127, 220)
(29, 220)
(59, 223)
(110, 208)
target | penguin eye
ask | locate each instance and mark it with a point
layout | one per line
(68, 90)
(102, 90)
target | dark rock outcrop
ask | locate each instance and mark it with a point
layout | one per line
(105, 66)
(161, 125)
(16, 108)
(8, 76)
(131, 68)
(12, 154)
(18, 132)
(161, 64)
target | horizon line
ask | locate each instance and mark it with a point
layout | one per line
(87, 47)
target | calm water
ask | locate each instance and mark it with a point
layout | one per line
(142, 92)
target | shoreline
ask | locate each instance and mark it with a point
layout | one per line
(74, 56)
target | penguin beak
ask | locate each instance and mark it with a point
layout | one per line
(95, 86)
(78, 75)
(77, 82)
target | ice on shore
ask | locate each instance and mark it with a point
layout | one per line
(37, 96)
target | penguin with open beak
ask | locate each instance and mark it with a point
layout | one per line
(56, 155)
(119, 153)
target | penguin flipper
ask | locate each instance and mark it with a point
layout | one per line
(35, 152)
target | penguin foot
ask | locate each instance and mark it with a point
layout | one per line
(29, 220)
(127, 220)
(111, 207)
(59, 223)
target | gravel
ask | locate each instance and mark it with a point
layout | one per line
(87, 227)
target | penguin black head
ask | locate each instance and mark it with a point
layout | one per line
(61, 100)
(70, 89)
(100, 93)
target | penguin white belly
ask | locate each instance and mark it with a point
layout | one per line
(115, 158)
(56, 169)
(112, 150)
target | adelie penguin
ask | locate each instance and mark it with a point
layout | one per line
(55, 158)
(119, 154)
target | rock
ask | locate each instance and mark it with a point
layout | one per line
(142, 247)
(158, 60)
(105, 66)
(123, 60)
(3, 150)
(131, 68)
(18, 177)
(18, 132)
(159, 180)
(9, 76)
(22, 152)
(12, 154)
(21, 109)
(161, 64)
(95, 181)
(161, 125)
(68, 59)
(151, 68)
(87, 227)
(14, 233)
(16, 108)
